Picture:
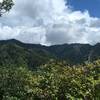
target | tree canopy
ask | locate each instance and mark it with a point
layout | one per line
(5, 6)
(52, 81)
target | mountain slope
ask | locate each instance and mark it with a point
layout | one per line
(13, 52)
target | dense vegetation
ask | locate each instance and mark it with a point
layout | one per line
(35, 72)
(13, 52)
(52, 81)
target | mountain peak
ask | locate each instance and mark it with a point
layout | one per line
(10, 41)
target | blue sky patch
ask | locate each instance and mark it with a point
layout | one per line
(93, 6)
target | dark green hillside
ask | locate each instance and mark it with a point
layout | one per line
(73, 53)
(13, 52)
(53, 79)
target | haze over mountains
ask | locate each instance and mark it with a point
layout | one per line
(14, 52)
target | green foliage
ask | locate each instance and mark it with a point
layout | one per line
(5, 6)
(52, 81)
(14, 83)
(60, 82)
(13, 52)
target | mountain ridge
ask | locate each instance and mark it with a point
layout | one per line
(18, 53)
(18, 41)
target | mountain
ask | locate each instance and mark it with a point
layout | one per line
(14, 52)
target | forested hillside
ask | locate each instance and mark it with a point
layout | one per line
(13, 52)
(60, 72)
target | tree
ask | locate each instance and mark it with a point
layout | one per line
(5, 6)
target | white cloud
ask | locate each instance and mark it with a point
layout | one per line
(49, 22)
(1, 0)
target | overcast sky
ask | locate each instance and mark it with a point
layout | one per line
(50, 22)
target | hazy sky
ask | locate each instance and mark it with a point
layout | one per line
(52, 21)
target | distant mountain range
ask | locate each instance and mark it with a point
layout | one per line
(14, 52)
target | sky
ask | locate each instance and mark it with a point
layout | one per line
(93, 6)
(50, 22)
